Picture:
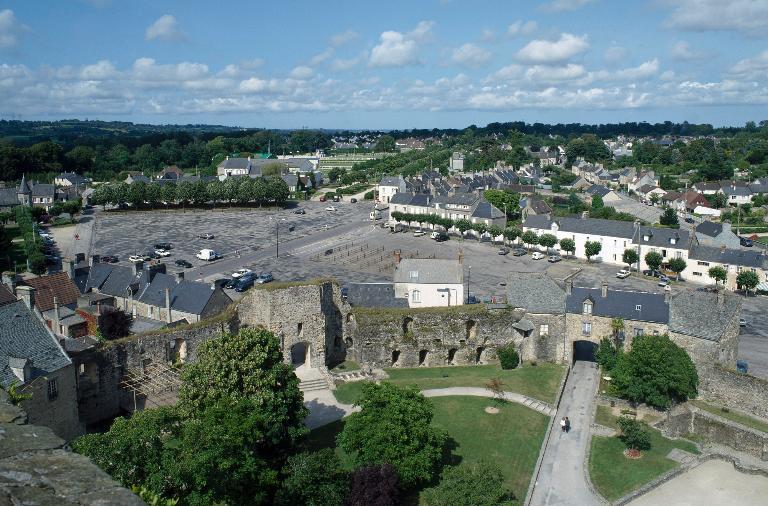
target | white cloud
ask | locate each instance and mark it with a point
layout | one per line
(164, 28)
(548, 74)
(302, 73)
(487, 35)
(642, 71)
(342, 64)
(747, 16)
(321, 57)
(614, 54)
(752, 69)
(342, 38)
(470, 55)
(100, 70)
(148, 71)
(522, 28)
(545, 51)
(396, 49)
(10, 29)
(565, 5)
(681, 50)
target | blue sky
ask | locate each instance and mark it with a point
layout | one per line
(395, 64)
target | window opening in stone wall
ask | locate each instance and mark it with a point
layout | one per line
(407, 325)
(53, 390)
(471, 329)
(452, 356)
(423, 355)
(479, 355)
(300, 330)
(395, 356)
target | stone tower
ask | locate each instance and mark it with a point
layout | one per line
(24, 193)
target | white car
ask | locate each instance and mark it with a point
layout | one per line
(330, 208)
(537, 255)
(622, 274)
(162, 252)
(136, 258)
(419, 233)
(240, 273)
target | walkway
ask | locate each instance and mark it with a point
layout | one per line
(562, 479)
(536, 405)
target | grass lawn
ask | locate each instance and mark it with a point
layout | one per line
(615, 475)
(510, 439)
(539, 381)
(744, 419)
(346, 366)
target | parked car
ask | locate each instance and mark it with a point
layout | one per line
(330, 208)
(537, 255)
(264, 277)
(519, 252)
(688, 219)
(336, 198)
(207, 255)
(110, 259)
(244, 283)
(663, 280)
(746, 242)
(163, 245)
(136, 258)
(231, 283)
(441, 238)
(322, 198)
(554, 259)
(623, 274)
(183, 263)
(205, 236)
(353, 200)
(344, 292)
(162, 252)
(291, 227)
(419, 233)
(503, 251)
(299, 211)
(742, 322)
(240, 273)
(151, 255)
(649, 272)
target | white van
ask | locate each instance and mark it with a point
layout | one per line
(208, 255)
(375, 215)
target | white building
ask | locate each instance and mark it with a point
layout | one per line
(429, 282)
(389, 186)
(457, 162)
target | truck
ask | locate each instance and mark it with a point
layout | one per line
(208, 255)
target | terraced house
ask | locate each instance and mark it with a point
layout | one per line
(459, 206)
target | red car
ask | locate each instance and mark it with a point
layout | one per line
(322, 198)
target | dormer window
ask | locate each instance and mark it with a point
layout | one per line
(587, 307)
(413, 274)
(646, 237)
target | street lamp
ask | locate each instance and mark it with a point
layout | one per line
(469, 277)
(277, 236)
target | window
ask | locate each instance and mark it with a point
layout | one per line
(664, 253)
(697, 273)
(415, 296)
(638, 307)
(53, 390)
(678, 254)
(413, 274)
(638, 331)
(586, 328)
(544, 330)
(705, 264)
(587, 308)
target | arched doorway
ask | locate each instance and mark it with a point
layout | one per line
(300, 355)
(584, 350)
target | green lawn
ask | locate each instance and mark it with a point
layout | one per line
(744, 419)
(510, 439)
(346, 366)
(615, 475)
(540, 381)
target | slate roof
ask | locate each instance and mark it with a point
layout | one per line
(742, 191)
(73, 178)
(401, 198)
(43, 190)
(591, 226)
(485, 209)
(391, 181)
(374, 295)
(118, 281)
(138, 178)
(538, 205)
(459, 199)
(661, 237)
(535, 292)
(709, 228)
(57, 285)
(700, 315)
(702, 187)
(97, 275)
(727, 256)
(24, 335)
(186, 296)
(301, 164)
(8, 197)
(234, 163)
(290, 179)
(6, 296)
(620, 304)
(429, 271)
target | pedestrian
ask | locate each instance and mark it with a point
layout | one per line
(562, 424)
(567, 424)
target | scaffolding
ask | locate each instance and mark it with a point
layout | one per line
(158, 384)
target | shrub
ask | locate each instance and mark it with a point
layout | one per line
(633, 434)
(469, 484)
(607, 354)
(368, 195)
(313, 479)
(374, 486)
(508, 356)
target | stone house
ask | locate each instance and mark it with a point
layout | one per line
(709, 233)
(56, 299)
(530, 206)
(734, 261)
(426, 282)
(608, 195)
(388, 187)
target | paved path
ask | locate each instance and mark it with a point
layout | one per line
(529, 402)
(563, 479)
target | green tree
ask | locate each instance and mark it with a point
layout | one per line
(153, 194)
(274, 169)
(494, 230)
(385, 143)
(677, 265)
(508, 356)
(568, 245)
(597, 202)
(169, 193)
(747, 280)
(548, 240)
(653, 260)
(313, 479)
(719, 200)
(607, 354)
(633, 434)
(655, 371)
(630, 257)
(185, 192)
(137, 193)
(592, 248)
(503, 200)
(669, 218)
(81, 158)
(463, 225)
(393, 426)
(530, 238)
(511, 233)
(718, 274)
(469, 484)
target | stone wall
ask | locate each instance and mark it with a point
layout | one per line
(731, 389)
(59, 413)
(36, 469)
(601, 327)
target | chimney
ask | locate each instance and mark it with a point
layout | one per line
(397, 256)
(180, 275)
(56, 316)
(9, 280)
(604, 289)
(667, 294)
(721, 297)
(79, 257)
(27, 294)
(227, 158)
(69, 266)
(94, 260)
(213, 285)
(138, 267)
(98, 308)
(569, 286)
(168, 305)
(461, 256)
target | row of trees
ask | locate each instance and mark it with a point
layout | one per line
(33, 244)
(241, 190)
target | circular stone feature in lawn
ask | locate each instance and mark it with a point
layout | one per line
(633, 454)
(491, 410)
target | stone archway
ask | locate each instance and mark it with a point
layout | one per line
(584, 350)
(300, 355)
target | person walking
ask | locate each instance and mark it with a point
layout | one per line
(567, 424)
(562, 424)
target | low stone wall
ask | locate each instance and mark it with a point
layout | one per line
(731, 389)
(35, 467)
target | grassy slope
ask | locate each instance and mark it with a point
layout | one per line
(743, 419)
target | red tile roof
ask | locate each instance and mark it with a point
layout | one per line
(57, 285)
(6, 297)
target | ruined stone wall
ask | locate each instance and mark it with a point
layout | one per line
(59, 413)
(731, 389)
(550, 347)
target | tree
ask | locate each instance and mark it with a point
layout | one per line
(511, 233)
(719, 200)
(313, 479)
(508, 356)
(463, 225)
(548, 240)
(374, 486)
(655, 371)
(677, 265)
(503, 200)
(81, 158)
(115, 323)
(385, 143)
(495, 231)
(669, 218)
(597, 202)
(568, 245)
(469, 484)
(633, 434)
(747, 280)
(718, 274)
(274, 169)
(630, 257)
(530, 238)
(393, 426)
(617, 331)
(592, 248)
(607, 354)
(168, 193)
(653, 260)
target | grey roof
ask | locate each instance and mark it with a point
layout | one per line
(592, 226)
(743, 191)
(302, 164)
(709, 228)
(8, 197)
(43, 190)
(154, 292)
(401, 198)
(662, 237)
(429, 271)
(374, 295)
(597, 189)
(138, 178)
(290, 179)
(620, 304)
(391, 181)
(24, 335)
(485, 209)
(97, 275)
(191, 296)
(459, 199)
(118, 281)
(24, 185)
(535, 292)
(538, 205)
(699, 314)
(234, 163)
(421, 200)
(707, 186)
(727, 256)
(75, 179)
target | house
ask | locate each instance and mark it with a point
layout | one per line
(456, 163)
(706, 188)
(709, 233)
(651, 192)
(581, 184)
(137, 178)
(374, 295)
(737, 192)
(292, 180)
(388, 187)
(531, 206)
(668, 242)
(429, 282)
(9, 198)
(671, 199)
(236, 166)
(67, 179)
(605, 193)
(55, 299)
(703, 258)
(643, 178)
(409, 144)
(170, 172)
(691, 200)
(32, 359)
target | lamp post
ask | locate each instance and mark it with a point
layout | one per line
(277, 236)
(469, 278)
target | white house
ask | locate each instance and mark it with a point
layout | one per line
(457, 162)
(389, 186)
(429, 282)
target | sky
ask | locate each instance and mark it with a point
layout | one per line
(384, 65)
